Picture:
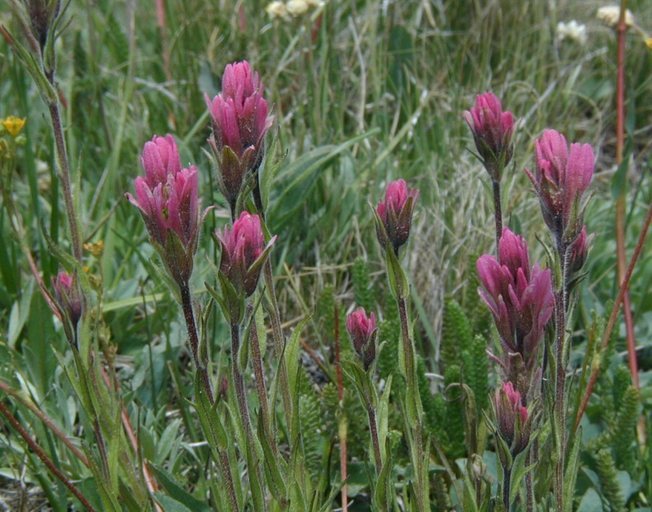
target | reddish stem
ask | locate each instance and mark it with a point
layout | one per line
(606, 336)
(621, 200)
(43, 456)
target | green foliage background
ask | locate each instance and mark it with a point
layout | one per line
(362, 92)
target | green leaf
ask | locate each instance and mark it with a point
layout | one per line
(272, 465)
(176, 492)
(292, 355)
(171, 505)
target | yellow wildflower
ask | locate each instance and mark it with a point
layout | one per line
(95, 248)
(14, 125)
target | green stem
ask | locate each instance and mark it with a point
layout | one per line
(191, 326)
(373, 428)
(561, 300)
(279, 339)
(228, 478)
(64, 175)
(507, 484)
(189, 316)
(241, 398)
(414, 409)
(498, 212)
(259, 377)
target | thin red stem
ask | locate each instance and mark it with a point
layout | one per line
(40, 453)
(621, 30)
(606, 336)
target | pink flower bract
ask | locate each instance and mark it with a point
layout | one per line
(362, 329)
(395, 214)
(519, 296)
(492, 130)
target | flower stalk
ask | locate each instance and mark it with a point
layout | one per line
(259, 378)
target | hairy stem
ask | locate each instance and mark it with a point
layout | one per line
(561, 302)
(243, 407)
(498, 212)
(228, 478)
(373, 428)
(191, 326)
(43, 456)
(259, 377)
(507, 485)
(64, 175)
(279, 339)
(412, 396)
(193, 337)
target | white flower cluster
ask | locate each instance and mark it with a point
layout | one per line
(294, 8)
(610, 14)
(572, 31)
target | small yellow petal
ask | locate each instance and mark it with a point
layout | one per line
(648, 42)
(95, 248)
(14, 125)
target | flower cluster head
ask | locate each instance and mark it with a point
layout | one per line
(513, 420)
(167, 197)
(573, 31)
(395, 214)
(68, 298)
(13, 125)
(562, 176)
(520, 298)
(492, 132)
(240, 120)
(610, 15)
(362, 329)
(243, 253)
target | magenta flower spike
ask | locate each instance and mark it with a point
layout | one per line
(520, 298)
(68, 297)
(362, 329)
(240, 120)
(243, 253)
(512, 418)
(562, 176)
(168, 199)
(492, 130)
(395, 214)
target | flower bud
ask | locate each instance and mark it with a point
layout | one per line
(512, 418)
(560, 180)
(42, 14)
(492, 132)
(243, 253)
(68, 297)
(168, 199)
(395, 214)
(362, 329)
(578, 251)
(240, 120)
